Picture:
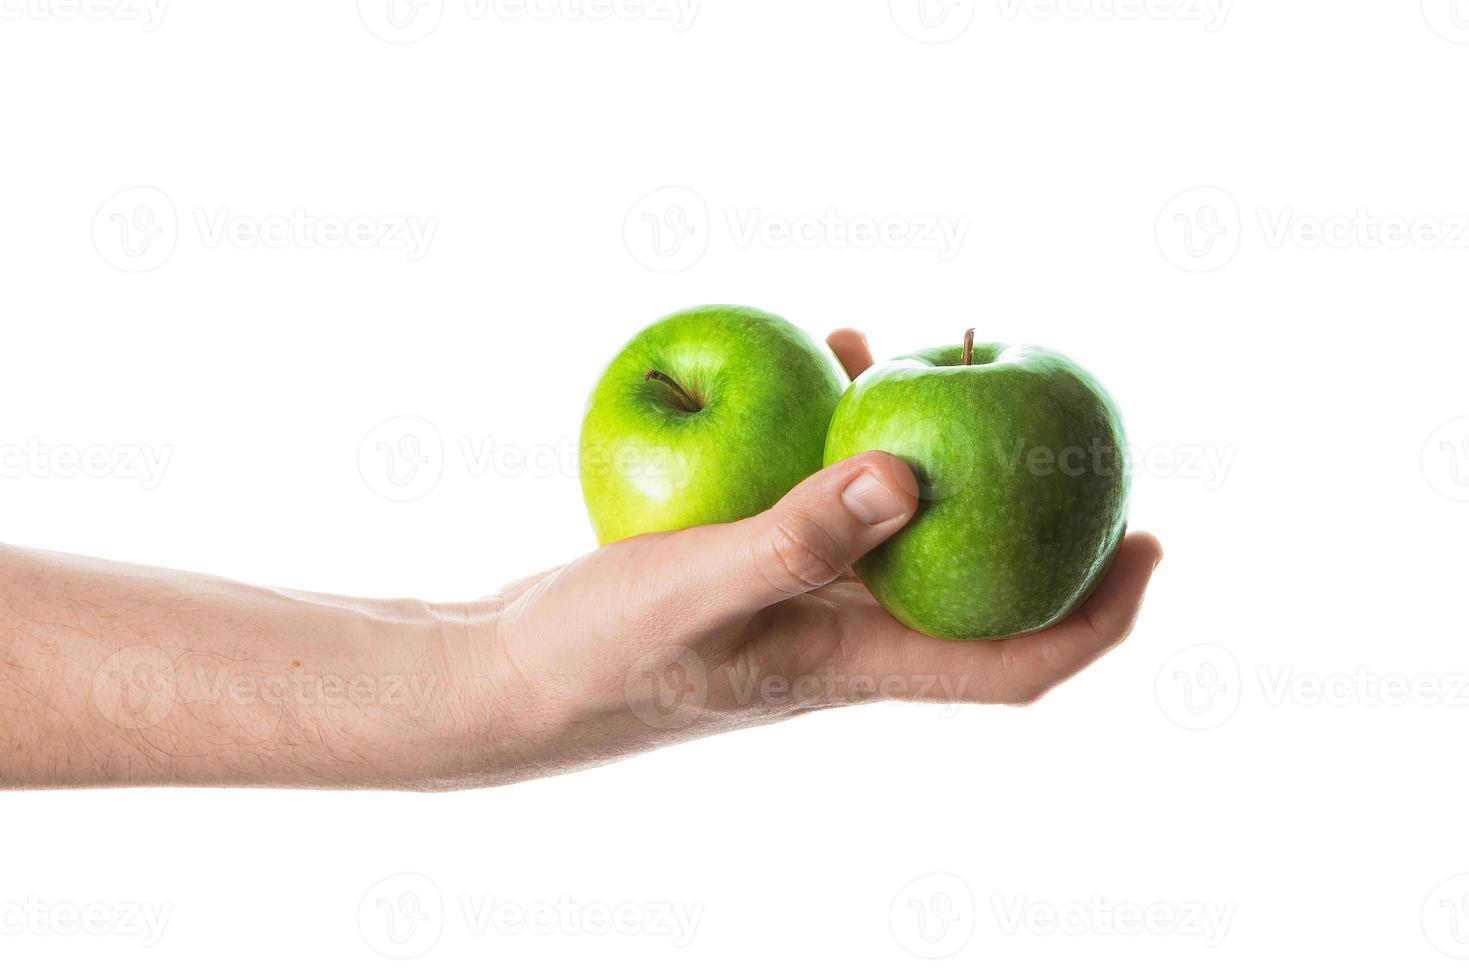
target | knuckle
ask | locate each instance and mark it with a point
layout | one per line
(1029, 673)
(1121, 633)
(1111, 631)
(800, 557)
(1110, 636)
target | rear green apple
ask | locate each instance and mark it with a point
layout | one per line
(1022, 462)
(706, 417)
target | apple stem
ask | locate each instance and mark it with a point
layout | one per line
(684, 401)
(968, 357)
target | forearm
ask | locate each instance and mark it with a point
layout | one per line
(115, 674)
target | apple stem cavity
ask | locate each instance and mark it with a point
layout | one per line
(682, 400)
(968, 356)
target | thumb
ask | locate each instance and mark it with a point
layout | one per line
(810, 537)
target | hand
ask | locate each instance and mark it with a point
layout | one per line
(665, 637)
(114, 674)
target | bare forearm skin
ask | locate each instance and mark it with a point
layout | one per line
(114, 674)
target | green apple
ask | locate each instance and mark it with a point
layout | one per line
(706, 417)
(1023, 472)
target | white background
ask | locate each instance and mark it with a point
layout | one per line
(1199, 769)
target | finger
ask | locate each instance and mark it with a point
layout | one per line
(1021, 669)
(1042, 660)
(850, 347)
(804, 542)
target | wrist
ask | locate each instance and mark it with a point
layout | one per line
(483, 718)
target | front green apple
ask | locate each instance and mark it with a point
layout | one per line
(1024, 474)
(706, 417)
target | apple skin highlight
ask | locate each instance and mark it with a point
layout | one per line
(1023, 469)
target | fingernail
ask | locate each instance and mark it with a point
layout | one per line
(872, 501)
